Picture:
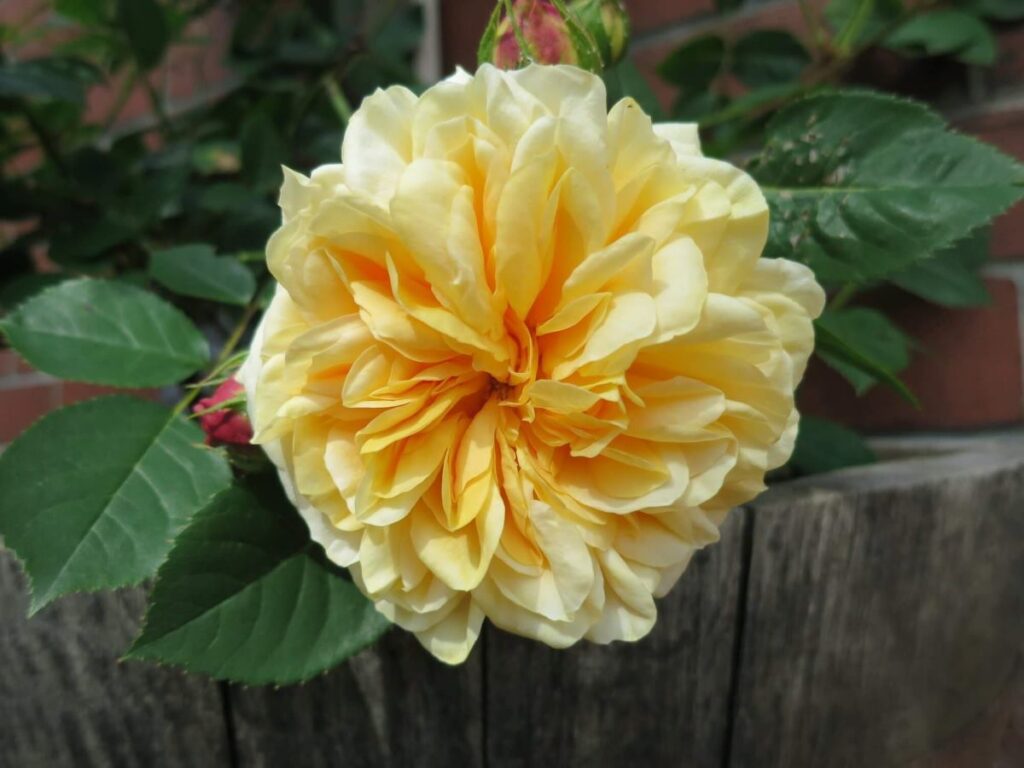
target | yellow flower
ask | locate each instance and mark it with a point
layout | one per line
(524, 356)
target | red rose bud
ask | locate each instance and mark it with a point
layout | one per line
(608, 23)
(540, 31)
(228, 425)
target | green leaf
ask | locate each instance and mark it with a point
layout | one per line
(862, 185)
(1001, 10)
(694, 65)
(226, 196)
(769, 57)
(624, 79)
(947, 32)
(870, 333)
(196, 270)
(88, 12)
(824, 446)
(846, 352)
(726, 6)
(262, 150)
(40, 79)
(145, 27)
(18, 289)
(488, 40)
(246, 596)
(91, 495)
(93, 239)
(950, 278)
(106, 333)
(858, 20)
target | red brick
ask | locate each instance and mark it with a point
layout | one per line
(101, 99)
(12, 363)
(1008, 234)
(8, 362)
(966, 370)
(650, 15)
(193, 71)
(21, 366)
(23, 403)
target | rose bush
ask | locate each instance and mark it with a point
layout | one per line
(524, 356)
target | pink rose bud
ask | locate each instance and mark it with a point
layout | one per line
(224, 426)
(551, 36)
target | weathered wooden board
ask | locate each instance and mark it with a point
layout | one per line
(872, 617)
(663, 701)
(392, 705)
(884, 613)
(66, 701)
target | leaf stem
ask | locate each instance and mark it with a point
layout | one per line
(158, 107)
(225, 352)
(843, 296)
(337, 98)
(813, 27)
(851, 30)
(46, 141)
(122, 98)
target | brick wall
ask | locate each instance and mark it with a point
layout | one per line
(26, 394)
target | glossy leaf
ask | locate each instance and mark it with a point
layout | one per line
(39, 79)
(694, 65)
(828, 344)
(824, 446)
(856, 21)
(947, 31)
(262, 150)
(83, 11)
(196, 270)
(769, 57)
(91, 495)
(106, 333)
(246, 596)
(863, 185)
(146, 29)
(624, 79)
(873, 335)
(91, 241)
(950, 278)
(1000, 10)
(17, 289)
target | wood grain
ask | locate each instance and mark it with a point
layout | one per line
(871, 617)
(663, 701)
(65, 700)
(884, 613)
(392, 705)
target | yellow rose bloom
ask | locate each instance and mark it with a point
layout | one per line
(524, 356)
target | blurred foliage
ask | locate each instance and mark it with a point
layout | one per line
(868, 190)
(100, 194)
